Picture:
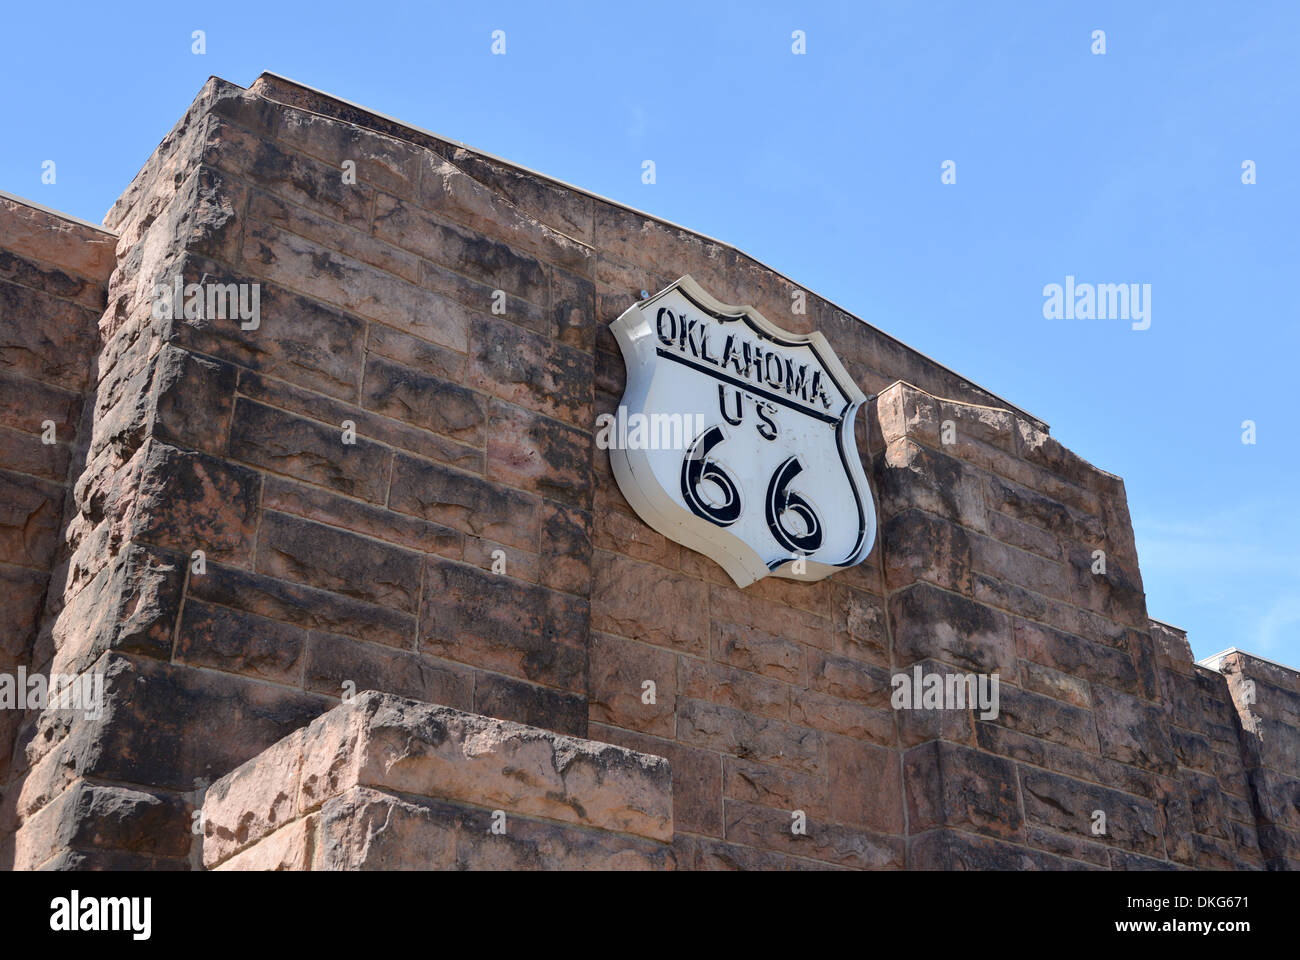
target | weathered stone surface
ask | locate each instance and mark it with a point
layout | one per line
(619, 672)
(1069, 847)
(313, 503)
(25, 453)
(304, 605)
(405, 393)
(386, 743)
(954, 850)
(920, 546)
(696, 775)
(860, 625)
(544, 199)
(415, 353)
(750, 649)
(388, 163)
(292, 174)
(534, 453)
(866, 786)
(728, 603)
(371, 830)
(336, 666)
(447, 190)
(530, 371)
(309, 450)
(253, 801)
(615, 529)
(1171, 641)
(236, 642)
(565, 548)
(490, 621)
(21, 593)
(912, 476)
(267, 208)
(190, 501)
(194, 400)
(161, 716)
(509, 699)
(1044, 512)
(110, 817)
(353, 286)
(54, 275)
(29, 520)
(501, 559)
(703, 853)
(730, 731)
(1023, 535)
(573, 310)
(832, 843)
(782, 789)
(1045, 718)
(496, 265)
(1076, 656)
(372, 426)
(334, 560)
(1069, 806)
(646, 602)
(78, 248)
(48, 340)
(715, 683)
(27, 404)
(992, 557)
(1054, 683)
(830, 714)
(472, 550)
(465, 502)
(298, 340)
(1116, 594)
(953, 786)
(293, 847)
(1132, 731)
(929, 622)
(916, 727)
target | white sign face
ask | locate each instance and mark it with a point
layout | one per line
(735, 438)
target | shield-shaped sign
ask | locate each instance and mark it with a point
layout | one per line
(735, 438)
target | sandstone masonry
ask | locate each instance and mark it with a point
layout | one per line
(331, 569)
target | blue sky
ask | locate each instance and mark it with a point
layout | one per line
(1120, 168)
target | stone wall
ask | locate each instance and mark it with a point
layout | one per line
(1266, 698)
(234, 566)
(387, 783)
(992, 549)
(53, 271)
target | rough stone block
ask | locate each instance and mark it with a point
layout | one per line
(580, 797)
(309, 450)
(953, 786)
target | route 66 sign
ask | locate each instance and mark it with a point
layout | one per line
(735, 438)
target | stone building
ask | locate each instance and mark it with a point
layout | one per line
(428, 646)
